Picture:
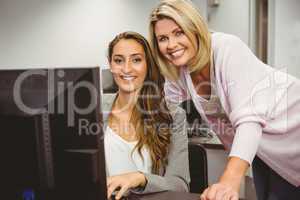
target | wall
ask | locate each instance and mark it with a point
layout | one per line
(67, 32)
(235, 17)
(284, 35)
(64, 32)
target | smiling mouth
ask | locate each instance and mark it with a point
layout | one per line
(176, 54)
(127, 77)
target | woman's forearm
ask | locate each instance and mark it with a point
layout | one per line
(234, 172)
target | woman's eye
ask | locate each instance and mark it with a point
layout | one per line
(136, 60)
(162, 39)
(179, 33)
(117, 60)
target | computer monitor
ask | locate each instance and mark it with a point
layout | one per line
(51, 134)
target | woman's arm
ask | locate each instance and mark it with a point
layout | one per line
(124, 182)
(177, 176)
(229, 184)
(239, 161)
(244, 78)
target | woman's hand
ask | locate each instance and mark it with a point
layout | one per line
(220, 191)
(228, 186)
(124, 182)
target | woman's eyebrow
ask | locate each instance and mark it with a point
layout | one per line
(131, 55)
(173, 31)
(161, 35)
(176, 29)
(118, 55)
(137, 54)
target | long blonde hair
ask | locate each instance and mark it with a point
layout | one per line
(151, 110)
(185, 14)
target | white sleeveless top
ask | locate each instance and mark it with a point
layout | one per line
(119, 158)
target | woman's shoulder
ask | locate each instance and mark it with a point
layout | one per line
(222, 40)
(178, 114)
(225, 46)
(221, 37)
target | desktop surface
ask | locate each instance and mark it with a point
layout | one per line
(166, 196)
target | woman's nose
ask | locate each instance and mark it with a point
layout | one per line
(127, 67)
(172, 43)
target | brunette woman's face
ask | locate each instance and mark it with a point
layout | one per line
(128, 64)
(172, 42)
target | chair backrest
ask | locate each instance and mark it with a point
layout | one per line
(108, 83)
(198, 168)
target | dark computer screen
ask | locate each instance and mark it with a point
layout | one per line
(51, 134)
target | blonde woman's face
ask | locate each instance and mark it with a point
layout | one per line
(128, 65)
(173, 44)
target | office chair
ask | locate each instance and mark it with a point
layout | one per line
(198, 168)
(108, 83)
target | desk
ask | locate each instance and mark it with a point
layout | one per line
(166, 196)
(209, 143)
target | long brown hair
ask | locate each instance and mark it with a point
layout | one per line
(150, 116)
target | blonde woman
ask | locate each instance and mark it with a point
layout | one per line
(145, 144)
(252, 107)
